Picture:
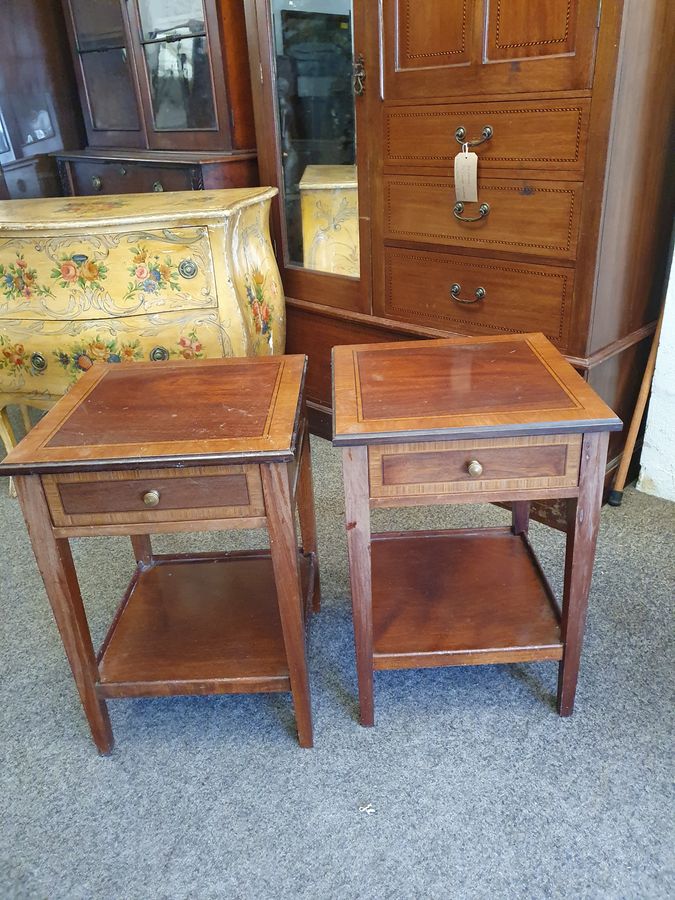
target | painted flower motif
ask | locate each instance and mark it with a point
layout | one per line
(68, 271)
(261, 310)
(19, 281)
(83, 356)
(190, 347)
(14, 357)
(78, 269)
(150, 273)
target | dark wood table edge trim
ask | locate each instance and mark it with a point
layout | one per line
(356, 438)
(112, 690)
(482, 656)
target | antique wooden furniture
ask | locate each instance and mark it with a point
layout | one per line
(165, 94)
(467, 420)
(160, 276)
(180, 446)
(39, 112)
(556, 99)
(330, 219)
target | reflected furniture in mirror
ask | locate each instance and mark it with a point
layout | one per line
(553, 97)
(166, 96)
(39, 112)
(137, 277)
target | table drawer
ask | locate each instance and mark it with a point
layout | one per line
(154, 495)
(470, 467)
(477, 296)
(126, 177)
(539, 218)
(531, 135)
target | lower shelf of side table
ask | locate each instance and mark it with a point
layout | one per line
(199, 624)
(460, 598)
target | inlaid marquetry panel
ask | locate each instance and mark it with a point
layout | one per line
(540, 218)
(528, 28)
(442, 467)
(433, 33)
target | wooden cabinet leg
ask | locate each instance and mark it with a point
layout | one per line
(307, 516)
(25, 417)
(284, 550)
(142, 548)
(357, 516)
(520, 516)
(582, 532)
(8, 439)
(55, 563)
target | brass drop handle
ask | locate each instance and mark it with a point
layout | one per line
(151, 498)
(157, 187)
(460, 136)
(474, 469)
(359, 76)
(479, 294)
(96, 182)
(458, 209)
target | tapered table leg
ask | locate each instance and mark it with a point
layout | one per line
(582, 532)
(142, 548)
(55, 563)
(307, 516)
(284, 550)
(357, 516)
(520, 516)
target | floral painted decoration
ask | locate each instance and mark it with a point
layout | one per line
(13, 356)
(79, 270)
(189, 347)
(18, 280)
(150, 274)
(83, 356)
(261, 309)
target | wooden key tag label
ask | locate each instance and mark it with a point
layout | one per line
(466, 176)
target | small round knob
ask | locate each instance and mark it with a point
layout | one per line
(157, 186)
(96, 182)
(474, 468)
(151, 498)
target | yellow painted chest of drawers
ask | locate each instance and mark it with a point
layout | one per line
(135, 277)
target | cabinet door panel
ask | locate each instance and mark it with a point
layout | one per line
(445, 48)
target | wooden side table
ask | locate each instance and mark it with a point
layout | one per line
(179, 446)
(467, 420)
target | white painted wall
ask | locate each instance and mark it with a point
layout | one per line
(657, 463)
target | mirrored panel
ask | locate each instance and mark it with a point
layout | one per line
(111, 93)
(180, 84)
(98, 24)
(314, 49)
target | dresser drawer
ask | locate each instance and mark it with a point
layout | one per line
(470, 467)
(533, 135)
(127, 177)
(539, 218)
(154, 495)
(477, 296)
(44, 358)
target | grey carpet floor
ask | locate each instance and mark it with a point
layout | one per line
(476, 788)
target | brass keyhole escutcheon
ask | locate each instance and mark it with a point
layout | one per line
(151, 498)
(474, 469)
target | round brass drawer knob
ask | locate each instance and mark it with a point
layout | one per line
(474, 469)
(151, 498)
(96, 182)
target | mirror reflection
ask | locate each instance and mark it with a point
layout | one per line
(314, 51)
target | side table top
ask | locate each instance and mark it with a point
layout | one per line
(460, 387)
(149, 414)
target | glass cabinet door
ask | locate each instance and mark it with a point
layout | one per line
(311, 44)
(177, 47)
(100, 43)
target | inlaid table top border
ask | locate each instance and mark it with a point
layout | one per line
(276, 442)
(587, 412)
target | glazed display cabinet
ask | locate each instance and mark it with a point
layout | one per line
(568, 234)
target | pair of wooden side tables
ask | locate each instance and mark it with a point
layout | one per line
(142, 449)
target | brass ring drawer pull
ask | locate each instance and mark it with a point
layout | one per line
(474, 469)
(96, 182)
(479, 294)
(458, 209)
(151, 498)
(460, 136)
(157, 187)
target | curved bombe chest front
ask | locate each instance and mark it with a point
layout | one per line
(139, 277)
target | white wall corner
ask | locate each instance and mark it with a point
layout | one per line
(657, 463)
